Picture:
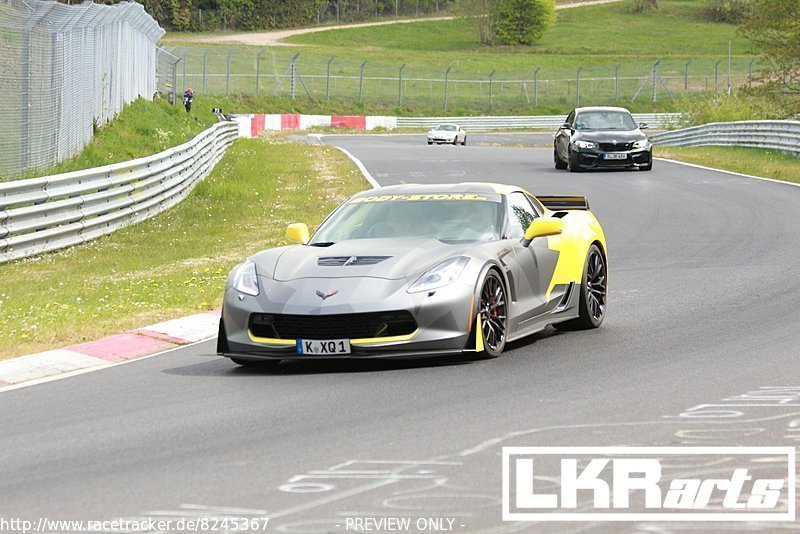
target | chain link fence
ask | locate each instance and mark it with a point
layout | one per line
(284, 72)
(64, 70)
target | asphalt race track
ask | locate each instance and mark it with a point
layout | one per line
(703, 309)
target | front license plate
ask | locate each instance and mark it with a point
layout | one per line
(323, 346)
(615, 156)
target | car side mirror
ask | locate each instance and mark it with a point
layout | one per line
(566, 126)
(643, 126)
(297, 233)
(542, 227)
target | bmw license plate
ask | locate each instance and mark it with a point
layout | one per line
(323, 346)
(615, 155)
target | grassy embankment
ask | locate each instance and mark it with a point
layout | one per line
(176, 263)
(674, 34)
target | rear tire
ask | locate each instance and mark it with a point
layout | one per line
(256, 364)
(560, 164)
(464, 142)
(592, 298)
(493, 309)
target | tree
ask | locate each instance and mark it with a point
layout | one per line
(645, 6)
(774, 27)
(485, 14)
(524, 21)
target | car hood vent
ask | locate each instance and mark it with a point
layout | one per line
(345, 261)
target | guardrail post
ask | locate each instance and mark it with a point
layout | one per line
(361, 82)
(716, 75)
(258, 71)
(616, 82)
(578, 87)
(686, 76)
(446, 75)
(400, 84)
(328, 79)
(491, 83)
(228, 75)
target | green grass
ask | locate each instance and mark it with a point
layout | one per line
(753, 161)
(141, 129)
(597, 38)
(176, 263)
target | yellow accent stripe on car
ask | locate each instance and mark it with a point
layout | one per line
(271, 341)
(580, 231)
(367, 341)
(478, 335)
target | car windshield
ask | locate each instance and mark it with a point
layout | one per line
(448, 217)
(446, 127)
(605, 120)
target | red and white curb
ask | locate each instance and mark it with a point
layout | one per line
(251, 125)
(108, 351)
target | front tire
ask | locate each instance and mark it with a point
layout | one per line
(493, 310)
(572, 162)
(256, 364)
(592, 298)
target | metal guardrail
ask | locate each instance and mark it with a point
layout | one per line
(776, 135)
(654, 120)
(52, 212)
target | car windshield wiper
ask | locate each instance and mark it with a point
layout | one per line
(322, 244)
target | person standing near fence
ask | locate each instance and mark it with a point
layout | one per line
(188, 95)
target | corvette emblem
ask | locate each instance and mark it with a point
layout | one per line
(325, 296)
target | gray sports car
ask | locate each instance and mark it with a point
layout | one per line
(418, 270)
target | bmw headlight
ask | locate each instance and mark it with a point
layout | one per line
(644, 143)
(585, 144)
(440, 275)
(245, 279)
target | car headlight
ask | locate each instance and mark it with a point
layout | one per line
(585, 144)
(644, 143)
(245, 279)
(440, 275)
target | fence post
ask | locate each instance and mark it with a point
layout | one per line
(536, 87)
(205, 57)
(716, 75)
(258, 71)
(491, 93)
(655, 79)
(361, 82)
(616, 81)
(400, 84)
(228, 75)
(750, 73)
(730, 42)
(175, 81)
(686, 76)
(328, 79)
(578, 87)
(184, 71)
(446, 75)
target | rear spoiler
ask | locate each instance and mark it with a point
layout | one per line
(561, 203)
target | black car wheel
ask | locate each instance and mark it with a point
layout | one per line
(455, 140)
(464, 142)
(560, 163)
(592, 303)
(430, 142)
(494, 318)
(256, 364)
(572, 162)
